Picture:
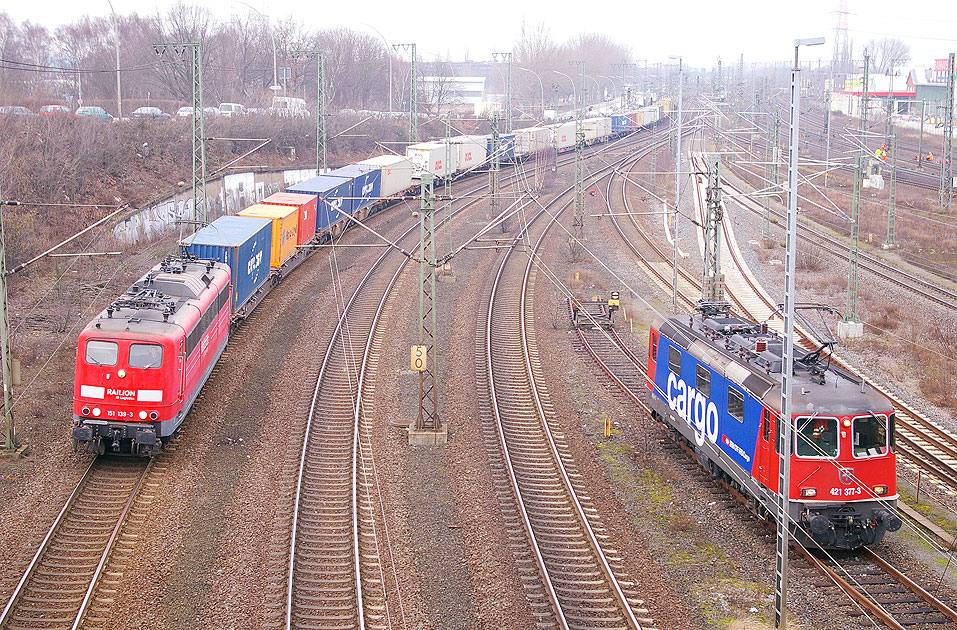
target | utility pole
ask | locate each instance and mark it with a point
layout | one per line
(827, 130)
(493, 173)
(920, 138)
(712, 285)
(851, 325)
(9, 439)
(784, 464)
(674, 223)
(946, 170)
(865, 95)
(320, 106)
(447, 181)
(623, 66)
(507, 56)
(193, 52)
(578, 222)
(116, 46)
(413, 105)
(428, 428)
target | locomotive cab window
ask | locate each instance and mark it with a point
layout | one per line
(870, 435)
(653, 346)
(703, 380)
(102, 352)
(674, 360)
(736, 404)
(146, 355)
(817, 437)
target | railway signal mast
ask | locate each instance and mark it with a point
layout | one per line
(946, 171)
(712, 286)
(320, 106)
(851, 325)
(578, 222)
(193, 52)
(413, 104)
(9, 445)
(784, 476)
(507, 56)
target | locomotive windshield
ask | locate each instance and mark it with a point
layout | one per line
(870, 436)
(817, 437)
(146, 355)
(102, 352)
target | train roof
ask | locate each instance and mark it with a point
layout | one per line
(751, 355)
(164, 299)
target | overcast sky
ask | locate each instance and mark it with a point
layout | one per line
(698, 30)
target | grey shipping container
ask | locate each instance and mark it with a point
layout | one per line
(244, 244)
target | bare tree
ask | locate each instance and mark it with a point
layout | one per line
(887, 53)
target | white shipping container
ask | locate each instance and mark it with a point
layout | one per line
(472, 152)
(531, 139)
(563, 135)
(596, 129)
(650, 115)
(396, 173)
(430, 157)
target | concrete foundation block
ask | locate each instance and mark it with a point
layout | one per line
(428, 438)
(850, 330)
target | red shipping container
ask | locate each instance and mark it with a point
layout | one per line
(307, 212)
(635, 119)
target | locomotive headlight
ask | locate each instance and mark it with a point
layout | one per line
(808, 492)
(85, 411)
(154, 415)
(121, 373)
(880, 490)
(847, 422)
(142, 415)
(96, 411)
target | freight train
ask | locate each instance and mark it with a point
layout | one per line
(142, 362)
(715, 380)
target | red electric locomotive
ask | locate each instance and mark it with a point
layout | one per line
(716, 380)
(143, 361)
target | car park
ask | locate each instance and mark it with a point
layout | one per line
(92, 111)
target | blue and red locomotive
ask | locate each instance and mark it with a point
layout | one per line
(716, 380)
(142, 362)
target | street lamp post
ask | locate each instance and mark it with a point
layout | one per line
(541, 85)
(386, 42)
(674, 223)
(116, 44)
(787, 374)
(574, 94)
(275, 73)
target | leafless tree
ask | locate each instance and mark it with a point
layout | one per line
(887, 53)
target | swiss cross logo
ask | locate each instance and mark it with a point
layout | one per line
(438, 165)
(564, 137)
(468, 156)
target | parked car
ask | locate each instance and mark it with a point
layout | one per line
(231, 110)
(92, 111)
(15, 110)
(211, 112)
(184, 112)
(149, 112)
(257, 111)
(54, 110)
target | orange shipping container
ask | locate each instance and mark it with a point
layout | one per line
(307, 211)
(285, 225)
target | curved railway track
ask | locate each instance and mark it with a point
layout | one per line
(583, 580)
(59, 584)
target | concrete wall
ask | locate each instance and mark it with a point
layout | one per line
(227, 194)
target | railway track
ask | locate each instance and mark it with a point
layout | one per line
(583, 581)
(58, 588)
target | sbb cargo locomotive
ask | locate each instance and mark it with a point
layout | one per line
(716, 380)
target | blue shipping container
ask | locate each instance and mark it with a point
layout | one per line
(506, 147)
(244, 244)
(620, 123)
(367, 183)
(335, 198)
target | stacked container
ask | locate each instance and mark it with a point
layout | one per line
(335, 199)
(285, 227)
(596, 129)
(564, 135)
(306, 205)
(366, 184)
(430, 157)
(244, 244)
(395, 173)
